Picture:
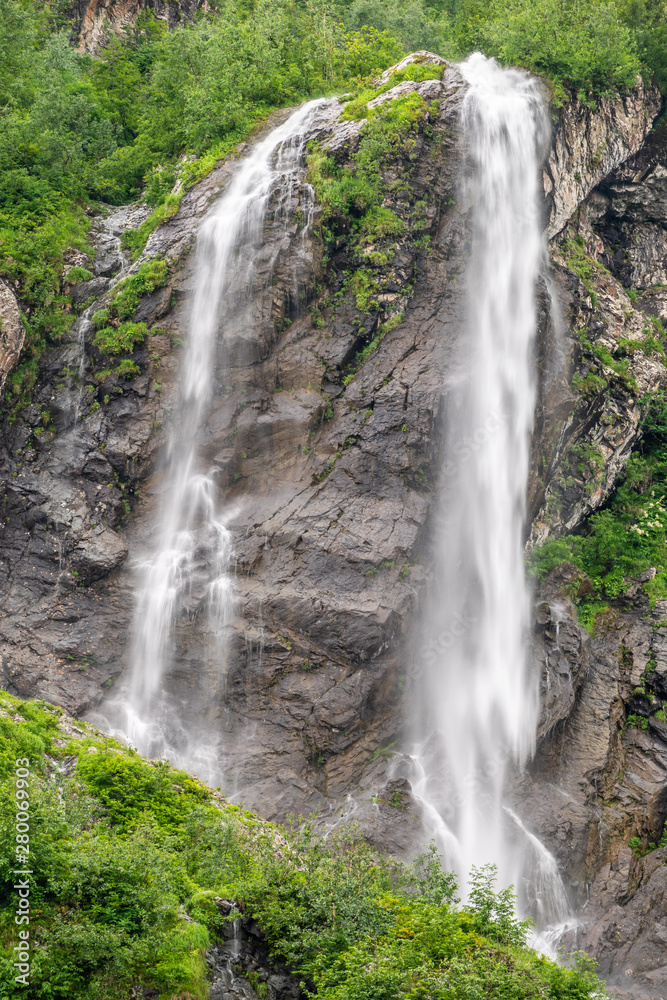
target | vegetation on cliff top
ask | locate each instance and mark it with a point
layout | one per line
(361, 210)
(77, 130)
(128, 857)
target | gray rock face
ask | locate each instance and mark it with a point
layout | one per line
(598, 781)
(12, 333)
(95, 19)
(597, 381)
(590, 143)
(324, 581)
(329, 490)
(242, 951)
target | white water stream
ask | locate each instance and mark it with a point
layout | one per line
(479, 699)
(187, 569)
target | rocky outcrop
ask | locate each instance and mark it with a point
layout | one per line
(589, 143)
(70, 487)
(94, 20)
(241, 957)
(330, 484)
(12, 332)
(600, 361)
(600, 367)
(629, 937)
(594, 370)
(599, 778)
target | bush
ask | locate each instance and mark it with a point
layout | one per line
(127, 369)
(77, 274)
(625, 539)
(582, 43)
(120, 339)
(126, 295)
(128, 857)
(101, 318)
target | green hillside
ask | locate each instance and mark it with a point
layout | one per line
(128, 856)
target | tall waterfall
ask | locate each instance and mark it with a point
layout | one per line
(188, 566)
(480, 700)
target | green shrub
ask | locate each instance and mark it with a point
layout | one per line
(627, 538)
(582, 43)
(129, 856)
(380, 223)
(126, 295)
(101, 318)
(126, 786)
(120, 339)
(77, 274)
(127, 369)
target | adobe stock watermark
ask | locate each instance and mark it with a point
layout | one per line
(430, 652)
(475, 783)
(462, 622)
(22, 883)
(471, 443)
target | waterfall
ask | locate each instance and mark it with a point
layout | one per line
(187, 570)
(479, 699)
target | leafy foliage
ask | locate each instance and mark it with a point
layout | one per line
(77, 130)
(120, 339)
(583, 43)
(128, 857)
(116, 334)
(125, 297)
(354, 195)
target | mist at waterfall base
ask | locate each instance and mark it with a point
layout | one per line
(186, 571)
(477, 697)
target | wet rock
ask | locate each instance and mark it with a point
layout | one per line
(97, 553)
(242, 959)
(629, 939)
(596, 782)
(560, 649)
(93, 289)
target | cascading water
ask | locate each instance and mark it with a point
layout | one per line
(480, 701)
(187, 569)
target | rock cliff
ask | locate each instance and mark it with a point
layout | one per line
(325, 433)
(12, 333)
(95, 19)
